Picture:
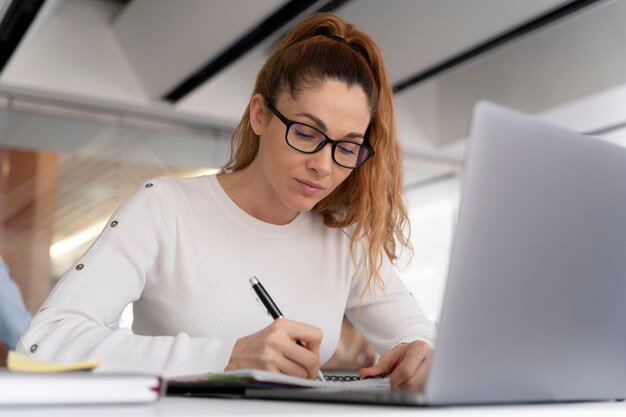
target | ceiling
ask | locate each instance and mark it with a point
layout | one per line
(119, 57)
(130, 55)
(136, 51)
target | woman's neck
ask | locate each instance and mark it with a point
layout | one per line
(252, 193)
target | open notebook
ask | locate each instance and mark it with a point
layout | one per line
(237, 382)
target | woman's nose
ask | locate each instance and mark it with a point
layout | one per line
(322, 160)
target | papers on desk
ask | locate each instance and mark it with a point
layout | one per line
(237, 382)
(29, 382)
(22, 363)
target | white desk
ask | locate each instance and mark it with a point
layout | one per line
(184, 407)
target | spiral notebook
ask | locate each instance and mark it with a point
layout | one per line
(237, 382)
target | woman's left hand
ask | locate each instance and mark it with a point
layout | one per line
(406, 364)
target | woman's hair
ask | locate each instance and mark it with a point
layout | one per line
(322, 48)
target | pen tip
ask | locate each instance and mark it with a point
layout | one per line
(254, 281)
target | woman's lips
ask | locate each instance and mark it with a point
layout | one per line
(309, 187)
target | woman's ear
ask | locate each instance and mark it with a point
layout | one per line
(258, 114)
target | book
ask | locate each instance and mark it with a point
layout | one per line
(237, 382)
(32, 382)
(28, 388)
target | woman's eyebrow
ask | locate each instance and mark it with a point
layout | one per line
(322, 126)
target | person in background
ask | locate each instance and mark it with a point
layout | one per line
(310, 203)
(14, 317)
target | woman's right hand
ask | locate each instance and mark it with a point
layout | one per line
(274, 348)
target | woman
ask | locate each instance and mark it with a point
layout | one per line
(309, 203)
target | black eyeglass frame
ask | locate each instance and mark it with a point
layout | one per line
(288, 123)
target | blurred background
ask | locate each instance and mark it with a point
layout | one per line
(99, 95)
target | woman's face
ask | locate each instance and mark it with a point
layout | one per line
(298, 180)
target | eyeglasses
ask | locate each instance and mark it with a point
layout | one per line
(307, 139)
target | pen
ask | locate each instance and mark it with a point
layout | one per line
(273, 310)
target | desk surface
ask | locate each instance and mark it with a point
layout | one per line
(188, 407)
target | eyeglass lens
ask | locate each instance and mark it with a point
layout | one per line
(307, 139)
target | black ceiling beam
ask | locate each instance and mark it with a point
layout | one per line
(509, 36)
(254, 37)
(16, 21)
(331, 6)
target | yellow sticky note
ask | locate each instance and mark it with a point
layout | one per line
(22, 363)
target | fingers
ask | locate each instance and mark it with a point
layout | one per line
(385, 364)
(407, 366)
(302, 357)
(272, 359)
(311, 336)
(274, 348)
(298, 357)
(286, 366)
(373, 370)
(409, 379)
(410, 373)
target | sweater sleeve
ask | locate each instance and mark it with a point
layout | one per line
(390, 316)
(134, 250)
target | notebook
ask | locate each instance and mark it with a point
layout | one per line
(234, 383)
(28, 381)
(534, 305)
(28, 388)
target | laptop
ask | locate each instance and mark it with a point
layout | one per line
(535, 302)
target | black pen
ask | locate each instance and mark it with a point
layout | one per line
(273, 310)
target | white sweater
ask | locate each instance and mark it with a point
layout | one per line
(182, 252)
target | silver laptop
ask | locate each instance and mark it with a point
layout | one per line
(535, 302)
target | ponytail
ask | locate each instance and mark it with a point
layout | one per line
(369, 203)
